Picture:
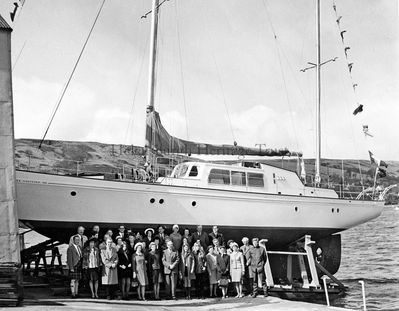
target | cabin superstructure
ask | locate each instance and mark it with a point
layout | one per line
(243, 176)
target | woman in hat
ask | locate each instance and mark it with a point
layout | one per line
(224, 269)
(154, 263)
(91, 264)
(237, 269)
(139, 265)
(149, 236)
(187, 272)
(176, 238)
(124, 270)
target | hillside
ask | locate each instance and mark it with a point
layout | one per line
(68, 157)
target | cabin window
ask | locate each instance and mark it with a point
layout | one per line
(217, 176)
(255, 180)
(194, 171)
(238, 178)
(181, 170)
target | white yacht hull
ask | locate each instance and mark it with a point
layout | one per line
(47, 200)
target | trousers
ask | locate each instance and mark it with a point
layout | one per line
(171, 283)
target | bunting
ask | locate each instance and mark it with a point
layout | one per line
(346, 48)
(17, 7)
(382, 166)
(366, 131)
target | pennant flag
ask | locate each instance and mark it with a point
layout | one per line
(335, 7)
(346, 51)
(354, 85)
(342, 35)
(366, 131)
(338, 19)
(350, 65)
(358, 109)
(379, 163)
(382, 172)
(13, 13)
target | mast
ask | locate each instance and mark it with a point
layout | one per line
(318, 99)
(153, 54)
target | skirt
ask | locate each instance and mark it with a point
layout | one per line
(156, 276)
(93, 274)
(76, 274)
(213, 278)
(236, 275)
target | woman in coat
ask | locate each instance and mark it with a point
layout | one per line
(213, 267)
(92, 264)
(109, 258)
(187, 272)
(237, 269)
(154, 264)
(139, 265)
(124, 270)
(225, 270)
(200, 269)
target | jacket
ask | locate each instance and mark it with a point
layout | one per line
(187, 260)
(86, 255)
(170, 261)
(200, 262)
(203, 237)
(257, 259)
(110, 274)
(73, 257)
(218, 236)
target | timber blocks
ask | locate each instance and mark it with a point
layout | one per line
(11, 289)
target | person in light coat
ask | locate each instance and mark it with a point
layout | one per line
(237, 269)
(109, 258)
(170, 261)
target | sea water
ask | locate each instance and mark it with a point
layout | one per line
(370, 252)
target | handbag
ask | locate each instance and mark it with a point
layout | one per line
(135, 282)
(224, 282)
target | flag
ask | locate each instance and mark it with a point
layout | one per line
(339, 19)
(342, 35)
(354, 85)
(346, 51)
(358, 109)
(382, 172)
(13, 13)
(373, 159)
(350, 65)
(366, 131)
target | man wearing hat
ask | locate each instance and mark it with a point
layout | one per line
(201, 236)
(257, 259)
(162, 236)
(170, 261)
(248, 276)
(176, 238)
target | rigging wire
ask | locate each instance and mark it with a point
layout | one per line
(181, 69)
(224, 99)
(282, 71)
(19, 55)
(71, 75)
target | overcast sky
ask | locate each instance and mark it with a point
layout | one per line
(231, 68)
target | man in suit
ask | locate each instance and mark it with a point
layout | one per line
(201, 236)
(248, 276)
(257, 259)
(74, 262)
(162, 236)
(170, 261)
(82, 238)
(121, 233)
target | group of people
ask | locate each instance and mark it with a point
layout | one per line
(129, 259)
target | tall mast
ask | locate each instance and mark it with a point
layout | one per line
(153, 54)
(318, 99)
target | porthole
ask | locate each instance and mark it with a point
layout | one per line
(152, 200)
(332, 210)
(296, 208)
(73, 193)
(337, 210)
(161, 201)
(193, 203)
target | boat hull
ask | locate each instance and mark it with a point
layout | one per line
(55, 205)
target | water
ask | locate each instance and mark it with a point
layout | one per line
(370, 252)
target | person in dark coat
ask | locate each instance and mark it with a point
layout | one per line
(224, 271)
(187, 272)
(124, 270)
(201, 236)
(92, 264)
(170, 261)
(149, 236)
(162, 236)
(200, 269)
(248, 276)
(216, 235)
(154, 264)
(74, 262)
(257, 260)
(187, 235)
(130, 243)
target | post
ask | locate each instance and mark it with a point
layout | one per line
(10, 260)
(363, 295)
(318, 100)
(326, 289)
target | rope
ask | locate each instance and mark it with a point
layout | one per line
(19, 54)
(181, 70)
(224, 98)
(71, 75)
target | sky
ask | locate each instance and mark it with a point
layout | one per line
(221, 74)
